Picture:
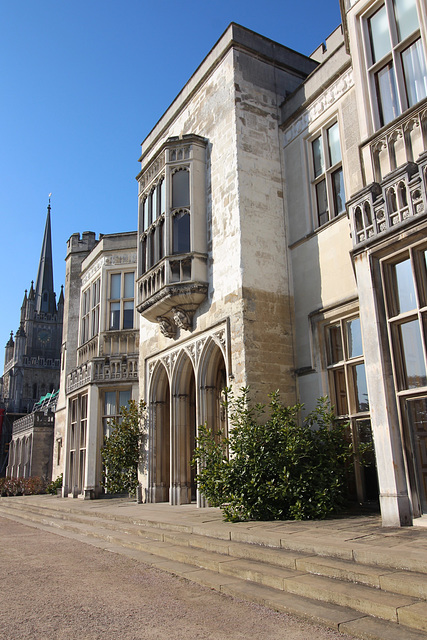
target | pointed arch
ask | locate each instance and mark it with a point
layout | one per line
(160, 427)
(183, 433)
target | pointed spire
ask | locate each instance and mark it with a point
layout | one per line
(10, 342)
(61, 295)
(31, 295)
(24, 302)
(44, 294)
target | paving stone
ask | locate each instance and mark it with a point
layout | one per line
(343, 570)
(414, 616)
(407, 582)
(358, 597)
(369, 628)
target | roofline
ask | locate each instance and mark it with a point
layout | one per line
(237, 37)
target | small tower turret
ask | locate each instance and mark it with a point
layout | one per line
(20, 341)
(60, 305)
(10, 345)
(24, 307)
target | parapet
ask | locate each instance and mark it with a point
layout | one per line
(77, 244)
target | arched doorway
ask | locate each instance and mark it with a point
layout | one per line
(183, 489)
(160, 451)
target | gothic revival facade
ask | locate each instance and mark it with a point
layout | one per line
(32, 358)
(281, 244)
(100, 351)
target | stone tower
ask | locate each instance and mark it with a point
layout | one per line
(32, 356)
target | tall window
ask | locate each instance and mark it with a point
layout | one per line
(113, 400)
(153, 215)
(121, 300)
(349, 395)
(328, 180)
(396, 59)
(406, 299)
(90, 312)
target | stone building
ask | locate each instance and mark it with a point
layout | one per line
(100, 351)
(32, 357)
(281, 244)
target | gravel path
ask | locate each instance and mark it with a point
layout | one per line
(55, 588)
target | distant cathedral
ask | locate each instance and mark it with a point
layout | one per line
(32, 358)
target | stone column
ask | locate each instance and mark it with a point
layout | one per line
(394, 498)
(93, 444)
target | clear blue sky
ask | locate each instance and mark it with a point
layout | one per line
(82, 83)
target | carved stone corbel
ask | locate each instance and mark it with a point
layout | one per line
(182, 318)
(166, 326)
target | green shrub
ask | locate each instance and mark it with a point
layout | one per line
(279, 468)
(53, 486)
(123, 449)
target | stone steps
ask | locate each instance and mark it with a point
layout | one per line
(319, 581)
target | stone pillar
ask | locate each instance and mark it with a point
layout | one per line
(93, 444)
(394, 496)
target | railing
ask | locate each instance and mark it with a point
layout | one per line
(172, 270)
(38, 418)
(103, 369)
(380, 208)
(393, 146)
(88, 350)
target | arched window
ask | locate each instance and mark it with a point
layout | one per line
(180, 189)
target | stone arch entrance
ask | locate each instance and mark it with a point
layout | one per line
(160, 429)
(212, 383)
(183, 432)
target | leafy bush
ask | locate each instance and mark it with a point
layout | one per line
(122, 450)
(22, 486)
(278, 468)
(53, 486)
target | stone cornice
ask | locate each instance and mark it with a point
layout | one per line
(319, 106)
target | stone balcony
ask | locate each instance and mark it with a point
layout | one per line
(171, 291)
(395, 145)
(383, 208)
(107, 369)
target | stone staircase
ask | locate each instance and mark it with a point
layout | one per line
(376, 592)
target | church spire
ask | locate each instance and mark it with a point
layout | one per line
(44, 294)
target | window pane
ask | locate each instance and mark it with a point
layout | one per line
(110, 403)
(335, 348)
(154, 205)
(124, 397)
(406, 17)
(334, 144)
(385, 82)
(341, 405)
(319, 165)
(413, 356)
(147, 220)
(129, 284)
(322, 202)
(115, 315)
(379, 34)
(354, 338)
(405, 289)
(414, 68)
(128, 315)
(338, 191)
(180, 189)
(360, 388)
(115, 286)
(162, 196)
(181, 234)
